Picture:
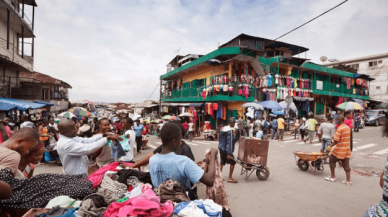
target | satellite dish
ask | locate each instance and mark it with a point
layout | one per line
(323, 59)
(333, 60)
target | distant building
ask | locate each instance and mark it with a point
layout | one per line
(376, 66)
(16, 42)
(41, 87)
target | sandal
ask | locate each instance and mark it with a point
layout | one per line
(233, 181)
(347, 183)
(330, 179)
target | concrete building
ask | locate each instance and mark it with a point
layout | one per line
(41, 87)
(16, 42)
(376, 66)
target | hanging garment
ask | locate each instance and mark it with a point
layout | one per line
(32, 192)
(278, 90)
(269, 77)
(204, 94)
(288, 82)
(276, 79)
(240, 92)
(215, 106)
(246, 91)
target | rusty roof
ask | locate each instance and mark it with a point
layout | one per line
(37, 77)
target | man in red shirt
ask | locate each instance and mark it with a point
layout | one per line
(186, 126)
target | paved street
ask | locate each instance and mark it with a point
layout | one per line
(292, 192)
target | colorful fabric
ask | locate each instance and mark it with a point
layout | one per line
(342, 136)
(381, 209)
(311, 124)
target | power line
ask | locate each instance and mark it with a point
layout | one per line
(153, 92)
(312, 19)
(114, 89)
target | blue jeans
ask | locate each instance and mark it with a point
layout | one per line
(274, 130)
(325, 143)
(356, 126)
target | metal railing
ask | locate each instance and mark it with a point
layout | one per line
(17, 52)
(25, 18)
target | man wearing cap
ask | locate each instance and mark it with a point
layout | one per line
(327, 132)
(226, 146)
(138, 128)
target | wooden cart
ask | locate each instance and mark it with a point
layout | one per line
(310, 159)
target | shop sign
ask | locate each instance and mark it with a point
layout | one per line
(319, 85)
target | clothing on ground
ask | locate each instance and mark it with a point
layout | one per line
(63, 201)
(31, 193)
(176, 167)
(171, 190)
(125, 174)
(92, 205)
(114, 186)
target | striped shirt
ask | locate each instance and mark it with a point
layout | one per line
(342, 136)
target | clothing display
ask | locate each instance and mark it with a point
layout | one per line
(194, 208)
(113, 185)
(92, 205)
(217, 193)
(126, 174)
(172, 190)
(98, 175)
(63, 201)
(30, 193)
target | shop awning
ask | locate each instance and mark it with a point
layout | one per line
(179, 104)
(196, 104)
(7, 104)
(45, 103)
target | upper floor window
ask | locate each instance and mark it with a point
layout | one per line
(355, 66)
(373, 63)
(377, 87)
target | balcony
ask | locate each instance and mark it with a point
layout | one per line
(13, 54)
(194, 94)
(341, 90)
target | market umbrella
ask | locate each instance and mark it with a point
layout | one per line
(278, 113)
(79, 112)
(187, 114)
(292, 106)
(253, 105)
(166, 117)
(66, 115)
(350, 106)
(175, 118)
(270, 104)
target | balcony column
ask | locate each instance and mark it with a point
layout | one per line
(33, 18)
(23, 9)
(22, 42)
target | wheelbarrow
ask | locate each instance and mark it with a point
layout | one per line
(252, 156)
(307, 159)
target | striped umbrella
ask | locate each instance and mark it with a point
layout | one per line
(175, 118)
(166, 117)
(350, 106)
(66, 115)
(79, 112)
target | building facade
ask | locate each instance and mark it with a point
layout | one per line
(376, 66)
(16, 42)
(253, 69)
(41, 87)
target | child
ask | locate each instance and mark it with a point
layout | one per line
(167, 165)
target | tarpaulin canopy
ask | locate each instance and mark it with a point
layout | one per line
(270, 104)
(45, 103)
(7, 104)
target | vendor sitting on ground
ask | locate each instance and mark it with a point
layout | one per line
(17, 146)
(73, 150)
(28, 162)
(167, 165)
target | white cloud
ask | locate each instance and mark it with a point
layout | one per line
(127, 44)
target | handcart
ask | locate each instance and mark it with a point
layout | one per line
(252, 156)
(144, 142)
(310, 159)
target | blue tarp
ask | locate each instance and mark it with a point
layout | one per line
(45, 103)
(7, 104)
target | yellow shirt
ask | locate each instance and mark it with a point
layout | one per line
(280, 123)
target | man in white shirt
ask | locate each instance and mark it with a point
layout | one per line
(190, 134)
(327, 130)
(73, 150)
(26, 123)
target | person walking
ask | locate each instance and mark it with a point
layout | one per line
(265, 127)
(257, 125)
(311, 123)
(240, 124)
(302, 128)
(327, 130)
(281, 128)
(348, 121)
(357, 122)
(296, 127)
(226, 146)
(138, 128)
(340, 151)
(190, 133)
(274, 128)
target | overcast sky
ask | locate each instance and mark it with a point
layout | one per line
(116, 50)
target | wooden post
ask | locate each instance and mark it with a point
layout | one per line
(22, 41)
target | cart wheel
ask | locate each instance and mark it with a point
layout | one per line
(303, 165)
(262, 174)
